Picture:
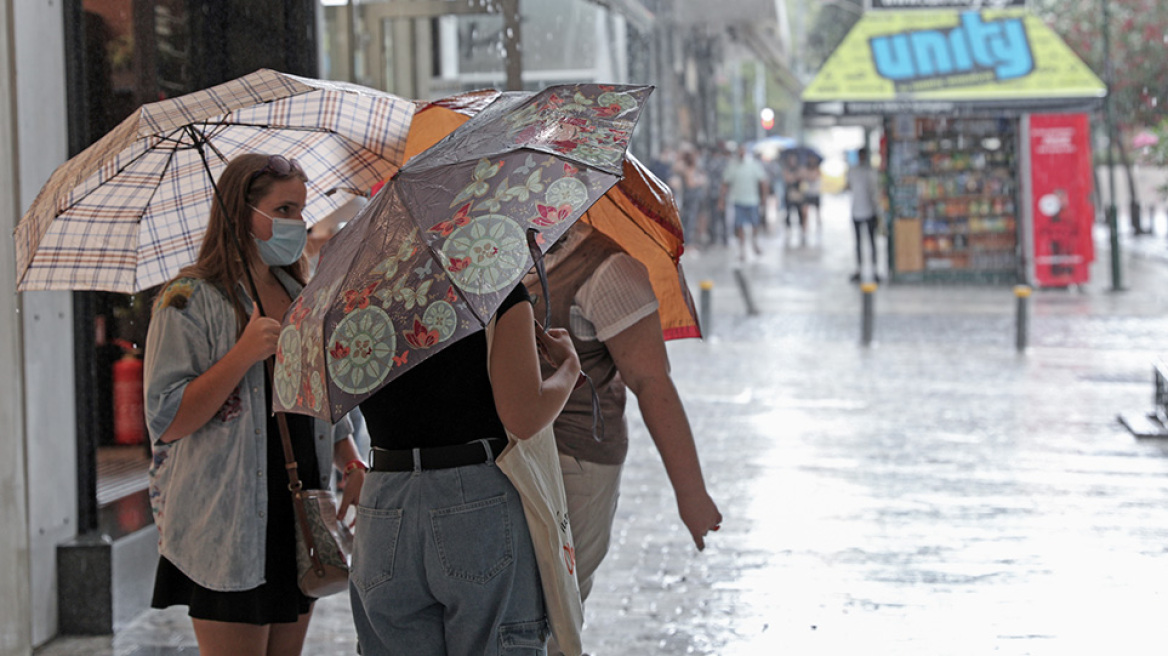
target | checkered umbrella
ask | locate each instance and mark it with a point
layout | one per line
(436, 251)
(130, 211)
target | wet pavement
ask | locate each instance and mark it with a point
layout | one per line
(935, 493)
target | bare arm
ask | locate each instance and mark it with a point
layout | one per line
(344, 452)
(205, 394)
(639, 353)
(526, 403)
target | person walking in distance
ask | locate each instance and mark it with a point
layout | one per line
(605, 298)
(717, 157)
(812, 180)
(693, 188)
(792, 191)
(862, 183)
(744, 183)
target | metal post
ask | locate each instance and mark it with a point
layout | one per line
(1112, 219)
(751, 309)
(512, 45)
(1022, 292)
(869, 312)
(707, 308)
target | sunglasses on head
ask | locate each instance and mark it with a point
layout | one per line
(277, 166)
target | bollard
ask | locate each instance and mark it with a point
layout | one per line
(869, 290)
(707, 308)
(1023, 322)
(745, 289)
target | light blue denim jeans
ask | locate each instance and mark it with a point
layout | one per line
(443, 564)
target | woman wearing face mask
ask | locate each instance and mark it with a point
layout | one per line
(218, 485)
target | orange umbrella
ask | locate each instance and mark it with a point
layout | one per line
(639, 213)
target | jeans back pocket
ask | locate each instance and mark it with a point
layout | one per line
(474, 540)
(374, 546)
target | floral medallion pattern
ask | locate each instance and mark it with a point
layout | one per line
(486, 255)
(288, 361)
(360, 350)
(442, 317)
(567, 191)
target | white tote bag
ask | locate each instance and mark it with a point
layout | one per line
(533, 465)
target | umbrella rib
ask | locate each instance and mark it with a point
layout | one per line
(165, 138)
(261, 126)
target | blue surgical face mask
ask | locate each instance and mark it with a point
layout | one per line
(287, 243)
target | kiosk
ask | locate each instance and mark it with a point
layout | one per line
(985, 147)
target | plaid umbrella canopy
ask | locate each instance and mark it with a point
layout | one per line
(130, 211)
(640, 213)
(436, 251)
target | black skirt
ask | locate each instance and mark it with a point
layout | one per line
(278, 599)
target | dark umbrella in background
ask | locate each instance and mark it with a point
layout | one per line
(806, 154)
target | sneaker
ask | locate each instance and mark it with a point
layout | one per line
(855, 277)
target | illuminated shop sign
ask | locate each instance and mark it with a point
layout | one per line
(976, 51)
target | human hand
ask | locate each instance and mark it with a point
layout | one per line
(700, 515)
(351, 496)
(259, 337)
(555, 345)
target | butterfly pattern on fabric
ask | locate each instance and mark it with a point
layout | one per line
(428, 263)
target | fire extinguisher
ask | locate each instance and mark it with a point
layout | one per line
(129, 409)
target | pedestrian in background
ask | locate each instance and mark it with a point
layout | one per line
(692, 180)
(744, 184)
(218, 485)
(715, 163)
(812, 179)
(793, 192)
(606, 299)
(863, 184)
(774, 170)
(662, 165)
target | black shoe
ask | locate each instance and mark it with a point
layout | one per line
(855, 277)
(878, 278)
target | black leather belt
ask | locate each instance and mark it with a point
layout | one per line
(439, 457)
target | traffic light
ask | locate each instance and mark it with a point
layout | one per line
(767, 117)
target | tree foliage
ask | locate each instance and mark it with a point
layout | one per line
(1139, 42)
(829, 24)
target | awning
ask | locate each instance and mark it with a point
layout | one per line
(951, 62)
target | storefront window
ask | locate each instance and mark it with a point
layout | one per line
(134, 52)
(368, 43)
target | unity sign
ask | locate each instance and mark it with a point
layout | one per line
(975, 52)
(938, 61)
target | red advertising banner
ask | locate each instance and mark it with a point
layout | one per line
(1060, 165)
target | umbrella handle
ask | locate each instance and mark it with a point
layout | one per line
(198, 139)
(537, 259)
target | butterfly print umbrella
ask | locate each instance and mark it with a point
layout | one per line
(440, 246)
(639, 213)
